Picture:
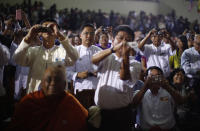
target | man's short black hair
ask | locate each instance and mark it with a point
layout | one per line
(86, 25)
(151, 68)
(124, 28)
(49, 20)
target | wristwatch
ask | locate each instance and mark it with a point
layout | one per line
(112, 50)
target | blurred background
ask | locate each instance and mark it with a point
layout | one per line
(139, 14)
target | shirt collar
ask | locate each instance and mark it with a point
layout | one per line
(50, 49)
(86, 48)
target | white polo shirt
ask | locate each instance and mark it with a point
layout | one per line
(4, 58)
(112, 92)
(157, 110)
(158, 56)
(84, 64)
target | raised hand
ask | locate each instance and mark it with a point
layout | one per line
(152, 31)
(126, 49)
(117, 46)
(55, 31)
(82, 75)
(32, 34)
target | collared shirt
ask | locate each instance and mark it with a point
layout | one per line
(112, 92)
(190, 61)
(4, 58)
(158, 56)
(39, 59)
(19, 69)
(157, 110)
(84, 64)
(21, 73)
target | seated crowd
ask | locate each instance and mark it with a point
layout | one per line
(106, 78)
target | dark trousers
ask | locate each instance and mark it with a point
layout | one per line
(117, 119)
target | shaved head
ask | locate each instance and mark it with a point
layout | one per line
(54, 80)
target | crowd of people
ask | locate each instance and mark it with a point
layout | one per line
(78, 71)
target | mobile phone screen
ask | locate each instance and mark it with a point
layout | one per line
(18, 14)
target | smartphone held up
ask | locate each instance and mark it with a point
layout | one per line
(18, 14)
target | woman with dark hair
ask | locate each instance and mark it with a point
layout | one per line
(178, 80)
(175, 60)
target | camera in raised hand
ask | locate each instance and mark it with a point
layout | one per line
(44, 29)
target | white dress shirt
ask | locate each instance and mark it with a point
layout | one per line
(39, 59)
(112, 92)
(158, 56)
(4, 58)
(157, 110)
(190, 62)
(21, 73)
(84, 64)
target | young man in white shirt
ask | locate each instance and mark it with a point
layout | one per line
(4, 58)
(21, 73)
(118, 73)
(39, 58)
(156, 101)
(83, 72)
(157, 53)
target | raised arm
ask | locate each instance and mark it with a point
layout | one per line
(72, 53)
(21, 55)
(25, 20)
(143, 42)
(176, 96)
(125, 67)
(104, 53)
(171, 42)
(140, 94)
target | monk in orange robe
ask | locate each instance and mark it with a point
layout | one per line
(51, 108)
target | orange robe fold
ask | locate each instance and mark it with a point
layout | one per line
(35, 112)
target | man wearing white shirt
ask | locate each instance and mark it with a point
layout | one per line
(190, 60)
(4, 58)
(39, 58)
(21, 74)
(157, 53)
(118, 72)
(83, 72)
(156, 101)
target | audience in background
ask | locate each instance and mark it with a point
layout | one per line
(45, 45)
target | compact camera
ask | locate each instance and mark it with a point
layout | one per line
(44, 29)
(156, 78)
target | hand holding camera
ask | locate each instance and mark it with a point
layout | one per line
(152, 32)
(33, 32)
(126, 49)
(55, 31)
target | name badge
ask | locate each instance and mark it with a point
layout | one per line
(164, 98)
